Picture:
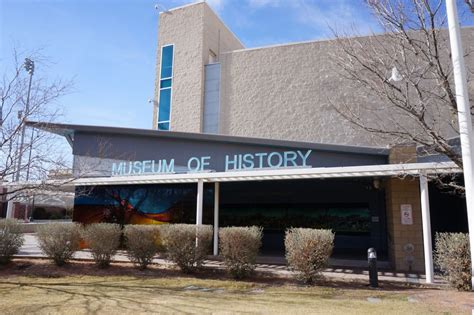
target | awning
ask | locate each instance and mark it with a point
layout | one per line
(386, 170)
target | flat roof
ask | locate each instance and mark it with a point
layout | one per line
(69, 130)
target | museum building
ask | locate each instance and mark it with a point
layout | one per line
(246, 137)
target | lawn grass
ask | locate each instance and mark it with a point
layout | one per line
(135, 295)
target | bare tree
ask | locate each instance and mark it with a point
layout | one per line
(27, 96)
(405, 76)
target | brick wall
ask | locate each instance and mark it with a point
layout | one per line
(405, 242)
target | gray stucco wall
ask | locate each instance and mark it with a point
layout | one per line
(285, 92)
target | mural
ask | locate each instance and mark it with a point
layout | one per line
(138, 204)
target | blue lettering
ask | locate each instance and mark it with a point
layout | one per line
(304, 157)
(145, 165)
(137, 167)
(269, 160)
(260, 159)
(230, 162)
(290, 156)
(168, 168)
(205, 162)
(196, 161)
(248, 161)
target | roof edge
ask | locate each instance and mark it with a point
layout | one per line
(67, 129)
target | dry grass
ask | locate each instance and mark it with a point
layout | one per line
(37, 286)
(130, 295)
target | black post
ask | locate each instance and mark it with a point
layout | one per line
(372, 259)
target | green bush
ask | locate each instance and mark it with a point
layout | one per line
(11, 239)
(103, 240)
(239, 247)
(180, 243)
(59, 241)
(453, 258)
(143, 243)
(308, 251)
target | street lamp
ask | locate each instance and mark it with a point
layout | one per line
(464, 116)
(30, 68)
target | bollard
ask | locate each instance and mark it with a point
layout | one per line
(372, 259)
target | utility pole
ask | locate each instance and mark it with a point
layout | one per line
(464, 116)
(30, 68)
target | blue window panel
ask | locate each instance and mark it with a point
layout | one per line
(164, 125)
(167, 62)
(165, 83)
(165, 105)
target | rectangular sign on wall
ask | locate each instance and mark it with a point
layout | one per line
(406, 214)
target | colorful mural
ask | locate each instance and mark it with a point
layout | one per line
(142, 204)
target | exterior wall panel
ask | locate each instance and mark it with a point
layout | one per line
(288, 91)
(211, 98)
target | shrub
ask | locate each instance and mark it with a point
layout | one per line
(11, 239)
(453, 258)
(180, 243)
(59, 241)
(239, 247)
(103, 240)
(143, 243)
(308, 251)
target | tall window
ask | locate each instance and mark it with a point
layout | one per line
(166, 80)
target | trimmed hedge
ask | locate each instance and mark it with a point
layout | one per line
(187, 244)
(308, 251)
(453, 258)
(103, 240)
(239, 247)
(59, 241)
(11, 239)
(142, 243)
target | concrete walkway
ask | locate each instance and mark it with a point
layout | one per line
(272, 265)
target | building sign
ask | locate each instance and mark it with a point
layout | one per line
(232, 162)
(407, 214)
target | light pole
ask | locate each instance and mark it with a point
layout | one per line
(30, 68)
(464, 116)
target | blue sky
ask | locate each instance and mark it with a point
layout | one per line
(108, 47)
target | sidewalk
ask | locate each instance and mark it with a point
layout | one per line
(272, 265)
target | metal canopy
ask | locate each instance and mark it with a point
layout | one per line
(413, 169)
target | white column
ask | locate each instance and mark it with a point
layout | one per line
(10, 198)
(216, 219)
(426, 221)
(200, 190)
(464, 116)
(9, 209)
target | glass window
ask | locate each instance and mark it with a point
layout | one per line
(164, 125)
(164, 105)
(167, 62)
(165, 83)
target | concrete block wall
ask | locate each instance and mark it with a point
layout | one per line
(280, 92)
(194, 30)
(405, 242)
(183, 27)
